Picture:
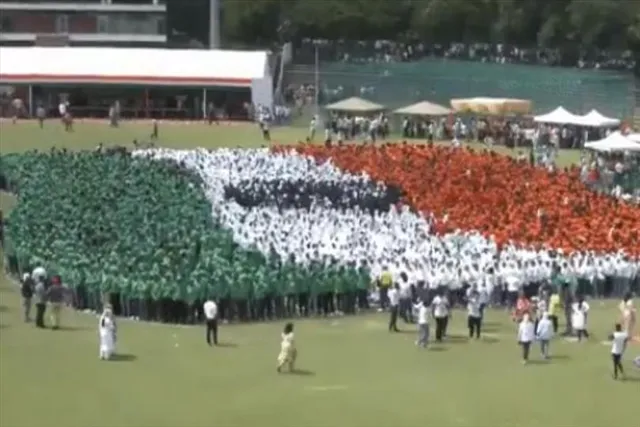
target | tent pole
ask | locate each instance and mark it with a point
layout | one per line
(30, 100)
(204, 104)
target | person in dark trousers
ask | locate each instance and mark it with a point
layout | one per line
(211, 316)
(26, 290)
(394, 307)
(40, 297)
(567, 303)
(474, 311)
(619, 339)
(440, 307)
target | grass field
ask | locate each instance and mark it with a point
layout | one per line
(353, 372)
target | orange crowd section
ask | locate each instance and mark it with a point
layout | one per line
(494, 194)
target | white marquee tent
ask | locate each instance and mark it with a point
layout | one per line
(615, 142)
(635, 137)
(597, 120)
(559, 116)
(139, 67)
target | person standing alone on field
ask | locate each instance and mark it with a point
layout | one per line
(423, 324)
(440, 306)
(211, 316)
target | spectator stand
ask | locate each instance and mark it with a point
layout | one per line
(147, 83)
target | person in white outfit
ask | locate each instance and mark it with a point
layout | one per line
(544, 333)
(579, 318)
(423, 324)
(107, 330)
(619, 340)
(526, 335)
(288, 353)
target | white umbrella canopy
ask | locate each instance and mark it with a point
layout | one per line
(615, 142)
(423, 108)
(559, 116)
(594, 119)
(355, 104)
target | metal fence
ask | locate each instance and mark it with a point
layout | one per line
(397, 84)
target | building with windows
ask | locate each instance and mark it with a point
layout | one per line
(124, 23)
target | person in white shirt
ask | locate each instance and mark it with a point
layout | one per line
(579, 318)
(394, 302)
(210, 309)
(423, 324)
(619, 340)
(440, 307)
(474, 312)
(544, 333)
(526, 335)
(288, 352)
(107, 330)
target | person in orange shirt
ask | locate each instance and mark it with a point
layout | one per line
(523, 306)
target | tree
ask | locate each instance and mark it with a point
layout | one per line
(573, 25)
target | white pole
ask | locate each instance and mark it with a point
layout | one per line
(205, 104)
(317, 80)
(30, 100)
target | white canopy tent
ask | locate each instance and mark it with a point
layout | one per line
(355, 105)
(597, 120)
(615, 142)
(559, 116)
(424, 108)
(635, 137)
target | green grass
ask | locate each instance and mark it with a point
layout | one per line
(357, 374)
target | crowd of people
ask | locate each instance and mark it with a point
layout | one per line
(284, 233)
(392, 51)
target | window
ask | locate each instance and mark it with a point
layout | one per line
(62, 24)
(103, 24)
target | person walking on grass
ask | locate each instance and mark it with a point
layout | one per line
(288, 352)
(474, 315)
(423, 324)
(544, 333)
(27, 290)
(526, 335)
(619, 339)
(56, 295)
(394, 307)
(211, 315)
(40, 298)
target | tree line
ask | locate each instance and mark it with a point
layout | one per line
(579, 25)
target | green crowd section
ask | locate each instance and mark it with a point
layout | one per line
(143, 229)
(397, 84)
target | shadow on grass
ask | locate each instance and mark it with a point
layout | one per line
(3, 309)
(226, 345)
(437, 349)
(456, 339)
(489, 340)
(560, 357)
(71, 328)
(302, 373)
(123, 358)
(631, 380)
